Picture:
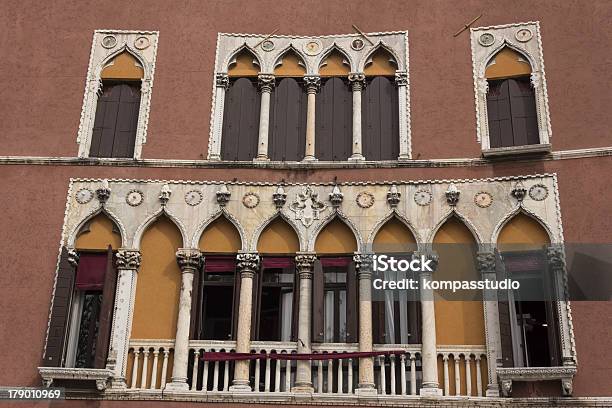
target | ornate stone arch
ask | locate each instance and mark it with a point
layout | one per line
(343, 218)
(381, 45)
(288, 49)
(257, 233)
(146, 68)
(514, 47)
(232, 57)
(520, 209)
(382, 222)
(454, 213)
(154, 217)
(72, 236)
(335, 47)
(229, 217)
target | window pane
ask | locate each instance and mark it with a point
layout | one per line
(329, 317)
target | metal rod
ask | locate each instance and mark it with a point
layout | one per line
(362, 34)
(465, 27)
(265, 38)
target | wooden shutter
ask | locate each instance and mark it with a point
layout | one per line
(60, 313)
(256, 301)
(524, 113)
(235, 304)
(106, 311)
(505, 322)
(240, 121)
(288, 121)
(116, 121)
(380, 120)
(378, 322)
(196, 302)
(352, 310)
(295, 319)
(334, 121)
(318, 297)
(499, 115)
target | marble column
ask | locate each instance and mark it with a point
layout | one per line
(363, 266)
(304, 263)
(222, 84)
(429, 355)
(357, 81)
(266, 84)
(313, 85)
(248, 264)
(128, 262)
(485, 262)
(401, 81)
(189, 260)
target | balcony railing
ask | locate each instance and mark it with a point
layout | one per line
(463, 368)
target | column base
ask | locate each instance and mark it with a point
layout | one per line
(356, 157)
(303, 388)
(259, 159)
(118, 383)
(240, 387)
(177, 386)
(430, 392)
(492, 392)
(366, 390)
(404, 157)
(310, 159)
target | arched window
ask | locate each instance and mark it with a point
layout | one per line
(529, 328)
(511, 104)
(288, 110)
(215, 308)
(241, 111)
(334, 114)
(335, 296)
(380, 108)
(81, 318)
(396, 321)
(116, 120)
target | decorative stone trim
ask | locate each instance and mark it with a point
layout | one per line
(105, 46)
(248, 263)
(525, 38)
(189, 260)
(128, 259)
(509, 374)
(100, 375)
(304, 264)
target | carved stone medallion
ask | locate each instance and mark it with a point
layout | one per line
(538, 192)
(483, 199)
(84, 195)
(142, 43)
(422, 197)
(109, 41)
(250, 200)
(365, 199)
(193, 197)
(357, 44)
(486, 39)
(313, 47)
(267, 45)
(524, 35)
(134, 198)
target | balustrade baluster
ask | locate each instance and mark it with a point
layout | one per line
(288, 375)
(446, 378)
(267, 375)
(277, 376)
(226, 376)
(413, 385)
(194, 372)
(216, 377)
(257, 374)
(205, 377)
(457, 357)
(383, 375)
(164, 368)
(403, 373)
(478, 376)
(153, 384)
(330, 375)
(340, 383)
(320, 376)
(468, 376)
(392, 358)
(350, 376)
(135, 368)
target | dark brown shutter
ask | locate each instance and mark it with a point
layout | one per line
(256, 301)
(524, 113)
(552, 317)
(352, 311)
(240, 121)
(196, 301)
(414, 321)
(334, 121)
(60, 313)
(378, 322)
(505, 321)
(295, 319)
(235, 304)
(318, 292)
(106, 311)
(380, 120)
(288, 121)
(116, 121)
(499, 115)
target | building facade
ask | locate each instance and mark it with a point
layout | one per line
(219, 177)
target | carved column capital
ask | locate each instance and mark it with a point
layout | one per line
(312, 83)
(427, 256)
(222, 80)
(266, 82)
(556, 257)
(363, 265)
(248, 264)
(188, 259)
(357, 80)
(305, 264)
(401, 78)
(73, 257)
(485, 262)
(128, 259)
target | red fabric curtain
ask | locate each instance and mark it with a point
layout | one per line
(219, 263)
(336, 261)
(224, 356)
(277, 262)
(91, 271)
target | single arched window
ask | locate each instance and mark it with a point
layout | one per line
(511, 105)
(116, 120)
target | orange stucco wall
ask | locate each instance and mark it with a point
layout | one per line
(336, 238)
(507, 63)
(245, 65)
(290, 66)
(382, 63)
(123, 66)
(220, 236)
(394, 236)
(98, 234)
(334, 65)
(278, 238)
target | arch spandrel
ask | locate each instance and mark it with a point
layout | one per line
(98, 233)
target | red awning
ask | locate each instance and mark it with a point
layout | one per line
(90, 271)
(336, 261)
(219, 263)
(277, 262)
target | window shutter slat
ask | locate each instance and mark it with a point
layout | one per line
(240, 121)
(334, 120)
(235, 304)
(318, 324)
(380, 120)
(106, 311)
(295, 307)
(196, 299)
(60, 313)
(352, 311)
